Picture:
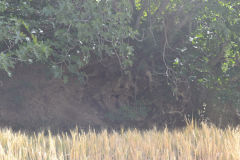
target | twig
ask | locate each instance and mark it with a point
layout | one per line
(144, 5)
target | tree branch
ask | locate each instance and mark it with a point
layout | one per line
(162, 6)
(133, 6)
(144, 6)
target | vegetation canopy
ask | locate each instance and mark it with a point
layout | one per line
(193, 45)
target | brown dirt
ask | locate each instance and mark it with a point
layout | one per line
(32, 99)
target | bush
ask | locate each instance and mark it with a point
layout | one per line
(65, 35)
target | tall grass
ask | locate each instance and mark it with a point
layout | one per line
(192, 142)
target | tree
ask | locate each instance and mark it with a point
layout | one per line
(193, 44)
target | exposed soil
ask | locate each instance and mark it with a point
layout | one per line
(32, 99)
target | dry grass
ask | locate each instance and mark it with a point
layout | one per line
(206, 143)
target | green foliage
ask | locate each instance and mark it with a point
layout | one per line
(212, 54)
(64, 34)
(196, 42)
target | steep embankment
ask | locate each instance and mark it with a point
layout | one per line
(33, 99)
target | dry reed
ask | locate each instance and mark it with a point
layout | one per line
(190, 143)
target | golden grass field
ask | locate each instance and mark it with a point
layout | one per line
(190, 143)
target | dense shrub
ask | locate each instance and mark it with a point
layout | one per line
(64, 34)
(192, 44)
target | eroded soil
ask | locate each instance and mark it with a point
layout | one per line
(32, 99)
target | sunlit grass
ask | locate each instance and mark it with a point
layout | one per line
(192, 142)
